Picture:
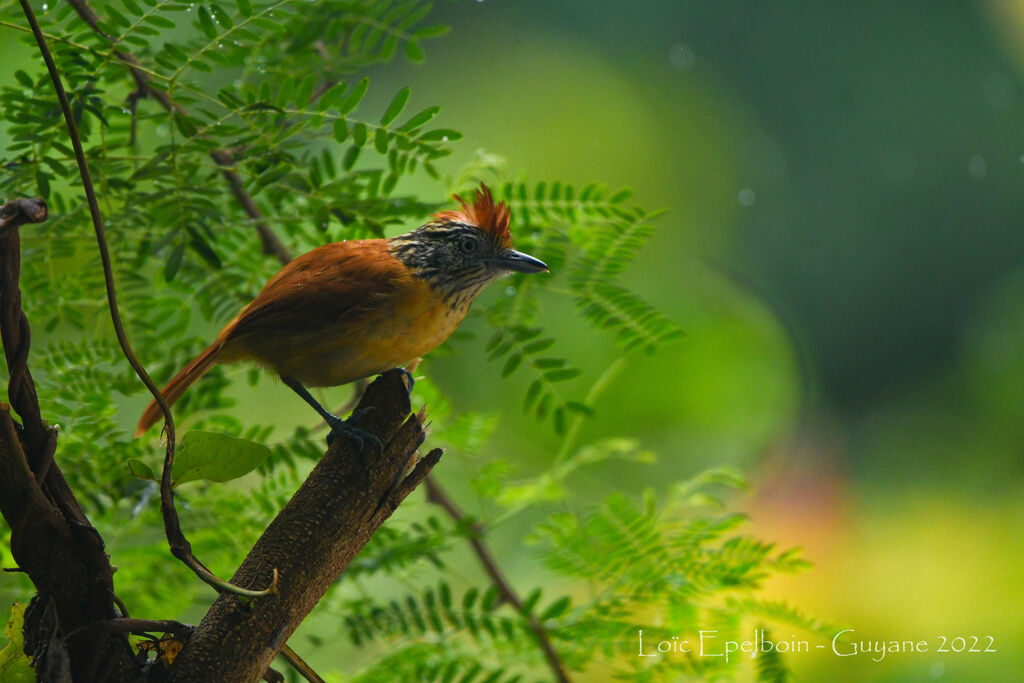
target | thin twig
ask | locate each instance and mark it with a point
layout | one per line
(506, 593)
(299, 664)
(180, 546)
(273, 246)
(132, 625)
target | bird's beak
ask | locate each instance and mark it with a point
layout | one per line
(521, 263)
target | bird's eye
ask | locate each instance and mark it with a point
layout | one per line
(468, 244)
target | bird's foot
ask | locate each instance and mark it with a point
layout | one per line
(410, 380)
(358, 437)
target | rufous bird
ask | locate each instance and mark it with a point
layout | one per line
(349, 310)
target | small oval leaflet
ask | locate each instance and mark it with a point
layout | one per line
(208, 455)
(216, 457)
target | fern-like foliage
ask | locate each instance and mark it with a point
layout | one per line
(668, 567)
(588, 237)
(205, 124)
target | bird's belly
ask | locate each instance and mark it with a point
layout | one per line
(391, 339)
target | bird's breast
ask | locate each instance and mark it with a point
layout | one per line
(419, 322)
(398, 329)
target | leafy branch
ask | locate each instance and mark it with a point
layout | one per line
(179, 545)
(188, 172)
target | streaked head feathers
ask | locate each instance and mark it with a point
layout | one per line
(492, 218)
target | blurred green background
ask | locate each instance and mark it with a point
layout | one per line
(843, 248)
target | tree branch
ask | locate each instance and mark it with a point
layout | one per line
(272, 246)
(506, 593)
(15, 332)
(51, 538)
(326, 523)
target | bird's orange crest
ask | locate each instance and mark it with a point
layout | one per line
(483, 213)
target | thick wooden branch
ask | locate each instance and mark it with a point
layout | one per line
(273, 246)
(51, 538)
(66, 563)
(15, 331)
(326, 523)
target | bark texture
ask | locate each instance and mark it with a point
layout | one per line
(326, 523)
(51, 538)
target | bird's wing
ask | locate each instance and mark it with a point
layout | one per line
(336, 284)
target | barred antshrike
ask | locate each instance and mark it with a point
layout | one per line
(352, 309)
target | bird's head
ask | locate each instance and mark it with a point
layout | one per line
(460, 252)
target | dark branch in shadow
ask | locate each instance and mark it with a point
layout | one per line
(342, 503)
(179, 545)
(51, 538)
(273, 246)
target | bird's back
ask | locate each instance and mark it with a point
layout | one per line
(338, 313)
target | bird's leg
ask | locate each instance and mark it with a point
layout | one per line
(337, 425)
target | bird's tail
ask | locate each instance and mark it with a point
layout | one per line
(199, 366)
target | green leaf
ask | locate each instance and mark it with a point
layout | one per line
(511, 364)
(349, 160)
(116, 18)
(284, 92)
(431, 31)
(216, 457)
(263, 106)
(359, 134)
(556, 609)
(469, 598)
(380, 141)
(354, 98)
(206, 23)
(304, 91)
(332, 95)
(221, 16)
(141, 469)
(620, 196)
(175, 52)
(531, 601)
(538, 346)
(396, 107)
(57, 167)
(42, 183)
(202, 247)
(562, 374)
(173, 262)
(444, 134)
(419, 119)
(159, 21)
(15, 665)
(580, 408)
(532, 394)
(340, 130)
(23, 78)
(268, 24)
(244, 7)
(414, 51)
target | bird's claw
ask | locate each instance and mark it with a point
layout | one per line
(408, 376)
(357, 436)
